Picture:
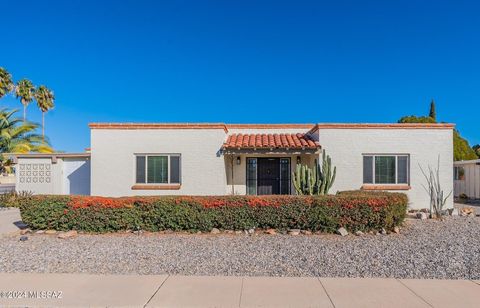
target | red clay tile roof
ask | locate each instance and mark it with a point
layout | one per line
(291, 141)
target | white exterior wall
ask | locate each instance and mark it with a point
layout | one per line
(346, 147)
(39, 176)
(43, 176)
(76, 176)
(113, 160)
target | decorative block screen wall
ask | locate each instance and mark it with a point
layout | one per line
(35, 173)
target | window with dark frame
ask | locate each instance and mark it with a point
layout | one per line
(386, 169)
(251, 176)
(157, 169)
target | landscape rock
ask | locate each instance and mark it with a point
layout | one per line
(306, 232)
(238, 232)
(251, 231)
(383, 231)
(294, 232)
(23, 238)
(467, 211)
(451, 245)
(271, 231)
(25, 231)
(215, 231)
(342, 231)
(396, 229)
(412, 215)
(454, 212)
(422, 215)
(50, 232)
(359, 233)
(68, 234)
(40, 232)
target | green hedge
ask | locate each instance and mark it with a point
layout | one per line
(354, 211)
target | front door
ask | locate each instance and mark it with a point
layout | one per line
(268, 176)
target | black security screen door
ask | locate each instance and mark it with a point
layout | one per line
(268, 176)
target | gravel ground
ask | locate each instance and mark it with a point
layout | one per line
(423, 249)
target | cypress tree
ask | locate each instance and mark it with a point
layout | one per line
(433, 113)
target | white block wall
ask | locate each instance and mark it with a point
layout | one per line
(63, 177)
(113, 159)
(346, 147)
(38, 175)
(76, 176)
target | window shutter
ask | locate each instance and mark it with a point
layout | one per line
(140, 169)
(368, 169)
(175, 169)
(402, 172)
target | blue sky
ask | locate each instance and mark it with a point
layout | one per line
(244, 61)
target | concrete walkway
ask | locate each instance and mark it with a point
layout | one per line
(82, 290)
(10, 221)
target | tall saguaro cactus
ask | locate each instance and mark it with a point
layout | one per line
(317, 180)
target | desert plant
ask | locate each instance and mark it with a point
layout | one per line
(317, 180)
(14, 198)
(305, 180)
(326, 174)
(434, 190)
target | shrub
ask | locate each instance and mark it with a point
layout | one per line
(13, 198)
(352, 210)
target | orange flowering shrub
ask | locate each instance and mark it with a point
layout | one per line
(353, 210)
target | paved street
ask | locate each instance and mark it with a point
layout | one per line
(218, 291)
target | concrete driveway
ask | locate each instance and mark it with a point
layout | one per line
(82, 290)
(10, 221)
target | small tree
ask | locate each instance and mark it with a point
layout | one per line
(434, 190)
(476, 148)
(432, 114)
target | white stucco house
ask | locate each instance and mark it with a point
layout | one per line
(127, 159)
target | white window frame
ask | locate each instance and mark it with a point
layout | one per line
(396, 168)
(146, 155)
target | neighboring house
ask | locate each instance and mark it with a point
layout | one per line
(223, 159)
(467, 178)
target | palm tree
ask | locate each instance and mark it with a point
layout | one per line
(17, 136)
(44, 98)
(25, 91)
(6, 83)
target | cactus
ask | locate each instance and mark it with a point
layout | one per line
(327, 175)
(314, 181)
